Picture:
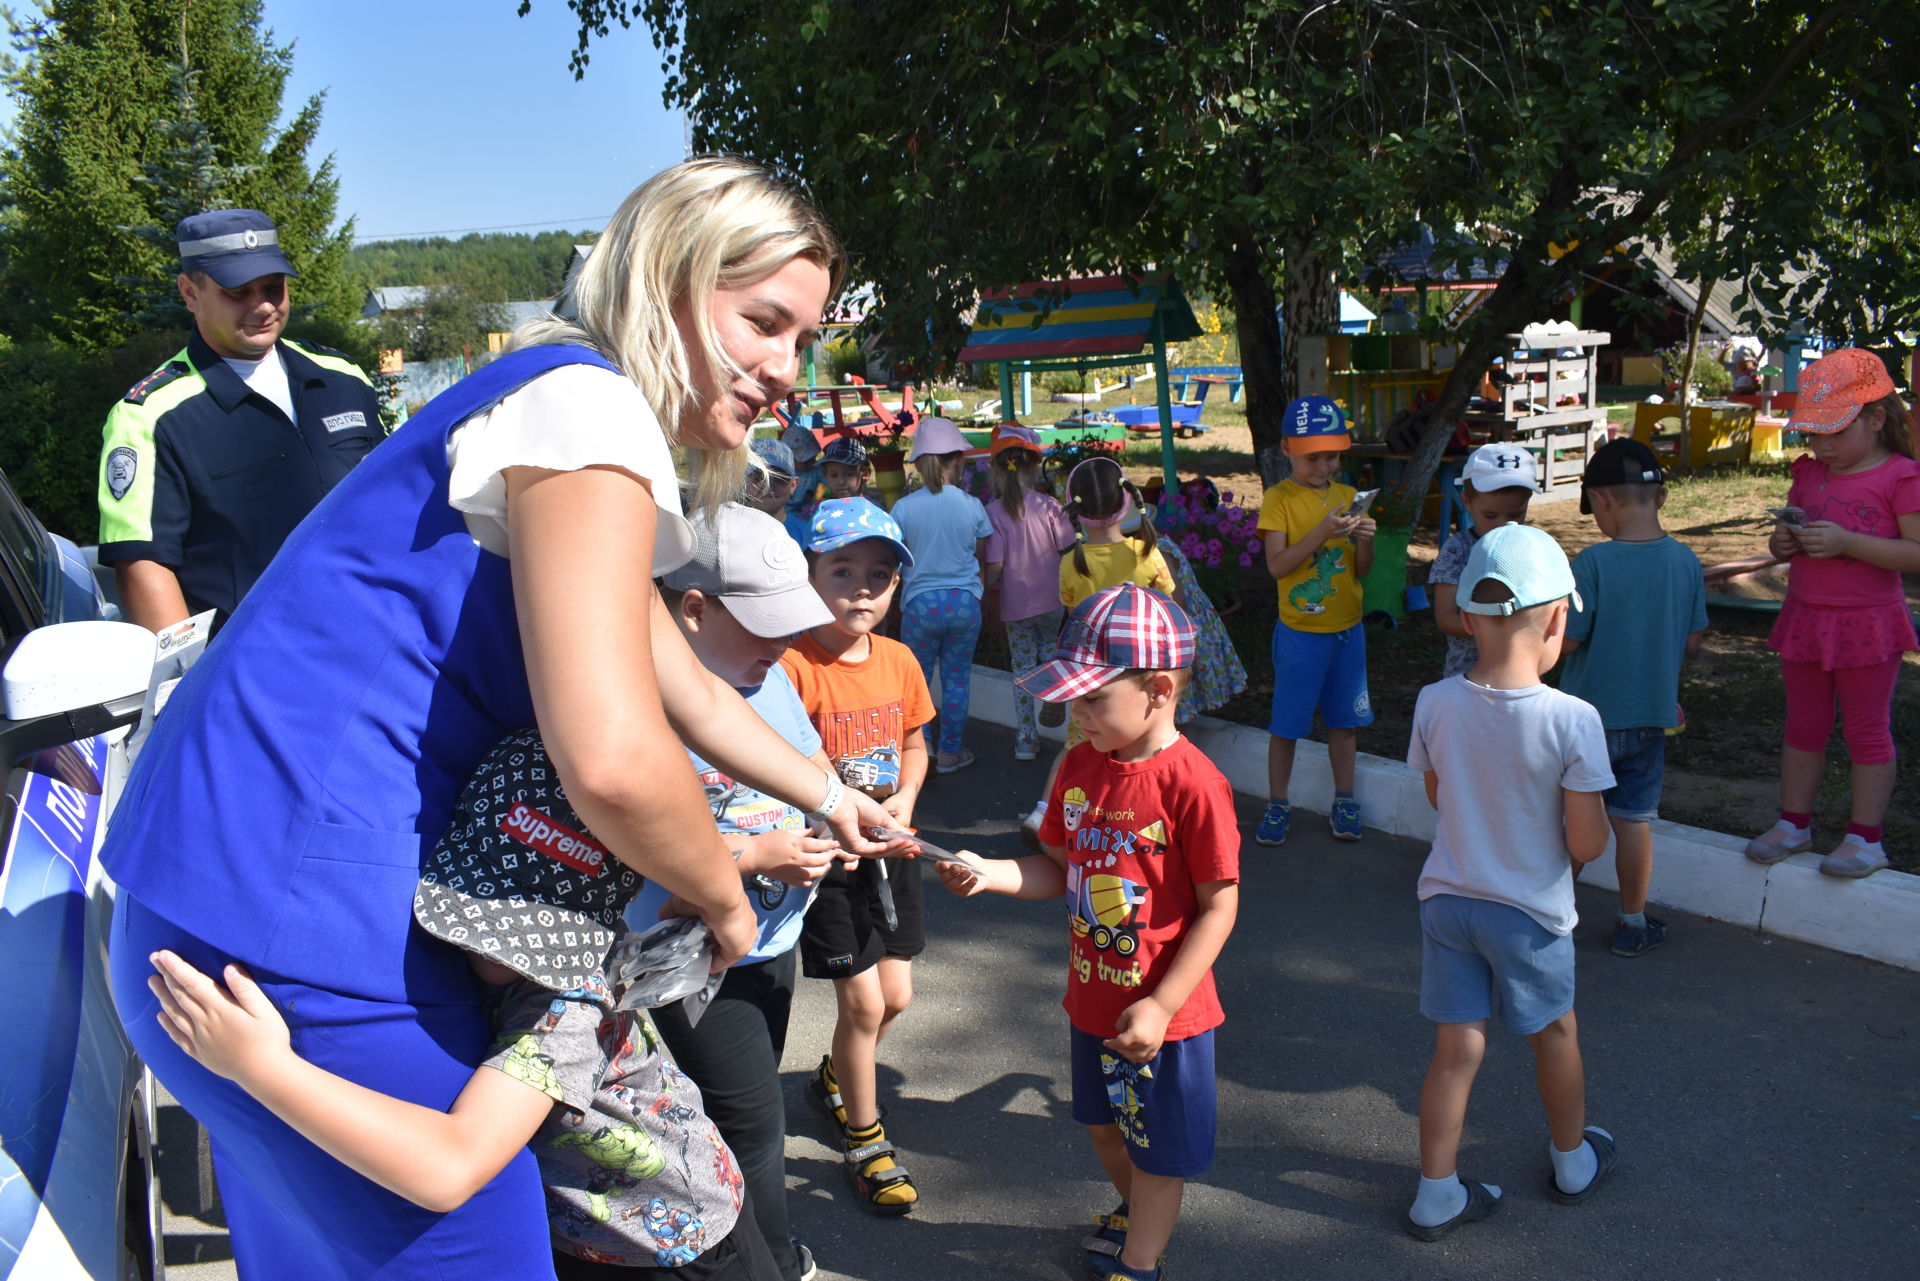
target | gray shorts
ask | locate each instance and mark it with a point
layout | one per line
(1478, 957)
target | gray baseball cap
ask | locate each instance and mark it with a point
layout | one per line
(747, 559)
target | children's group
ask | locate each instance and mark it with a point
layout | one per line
(651, 1101)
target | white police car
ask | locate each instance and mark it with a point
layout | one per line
(79, 1191)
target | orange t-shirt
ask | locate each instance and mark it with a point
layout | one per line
(859, 706)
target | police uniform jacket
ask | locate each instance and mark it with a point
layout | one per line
(202, 474)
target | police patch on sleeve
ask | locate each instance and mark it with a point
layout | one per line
(122, 463)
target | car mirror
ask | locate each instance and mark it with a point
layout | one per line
(65, 667)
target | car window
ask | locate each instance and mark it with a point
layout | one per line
(23, 565)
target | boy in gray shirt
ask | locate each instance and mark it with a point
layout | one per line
(1496, 893)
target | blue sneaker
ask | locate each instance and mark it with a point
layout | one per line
(1345, 819)
(1273, 824)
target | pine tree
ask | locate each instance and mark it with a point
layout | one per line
(120, 101)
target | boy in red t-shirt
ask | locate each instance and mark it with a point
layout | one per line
(866, 696)
(1141, 838)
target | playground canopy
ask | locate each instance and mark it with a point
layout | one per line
(1091, 322)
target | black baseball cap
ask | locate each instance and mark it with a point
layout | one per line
(1619, 462)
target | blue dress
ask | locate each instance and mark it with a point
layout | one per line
(278, 817)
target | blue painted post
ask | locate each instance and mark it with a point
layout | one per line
(1164, 395)
(1026, 393)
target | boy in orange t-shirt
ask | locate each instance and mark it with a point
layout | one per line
(868, 700)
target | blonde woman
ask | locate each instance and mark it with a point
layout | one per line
(490, 568)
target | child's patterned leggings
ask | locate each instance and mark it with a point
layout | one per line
(1865, 696)
(1031, 640)
(943, 626)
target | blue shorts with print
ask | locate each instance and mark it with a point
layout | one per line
(1478, 956)
(1324, 670)
(1639, 760)
(1165, 1107)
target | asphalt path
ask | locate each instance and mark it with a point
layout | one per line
(1765, 1095)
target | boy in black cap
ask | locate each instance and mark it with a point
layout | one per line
(638, 1180)
(1646, 611)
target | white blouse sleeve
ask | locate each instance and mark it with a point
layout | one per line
(571, 417)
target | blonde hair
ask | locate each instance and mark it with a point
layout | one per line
(933, 471)
(710, 223)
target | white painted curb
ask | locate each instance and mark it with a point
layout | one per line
(1694, 870)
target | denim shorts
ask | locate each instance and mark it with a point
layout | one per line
(1166, 1108)
(1324, 670)
(1639, 759)
(1479, 957)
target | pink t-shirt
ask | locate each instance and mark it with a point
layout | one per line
(1028, 552)
(1869, 502)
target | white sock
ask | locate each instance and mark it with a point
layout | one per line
(1038, 815)
(1866, 846)
(1572, 1171)
(1438, 1200)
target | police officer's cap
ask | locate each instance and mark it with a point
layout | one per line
(233, 246)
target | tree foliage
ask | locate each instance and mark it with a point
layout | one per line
(451, 322)
(98, 84)
(493, 267)
(1263, 148)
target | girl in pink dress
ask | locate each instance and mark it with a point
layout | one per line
(1845, 622)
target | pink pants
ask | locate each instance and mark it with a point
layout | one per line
(1865, 695)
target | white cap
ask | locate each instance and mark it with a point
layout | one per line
(1501, 466)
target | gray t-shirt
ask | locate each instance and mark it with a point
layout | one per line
(635, 1172)
(1642, 602)
(1462, 653)
(1503, 756)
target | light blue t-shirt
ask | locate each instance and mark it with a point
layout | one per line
(943, 531)
(739, 808)
(1642, 601)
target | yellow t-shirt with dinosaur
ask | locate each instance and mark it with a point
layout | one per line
(1323, 594)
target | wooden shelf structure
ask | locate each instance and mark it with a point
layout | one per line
(1547, 403)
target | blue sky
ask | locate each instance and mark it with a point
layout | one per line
(449, 115)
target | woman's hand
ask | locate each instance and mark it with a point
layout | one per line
(233, 1031)
(854, 815)
(1825, 540)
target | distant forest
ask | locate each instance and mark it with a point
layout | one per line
(487, 268)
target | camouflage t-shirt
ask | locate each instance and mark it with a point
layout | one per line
(634, 1171)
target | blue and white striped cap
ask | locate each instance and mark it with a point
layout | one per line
(233, 246)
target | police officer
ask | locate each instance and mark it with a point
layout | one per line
(211, 460)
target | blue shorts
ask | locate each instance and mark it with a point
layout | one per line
(1639, 759)
(1165, 1107)
(1477, 955)
(1324, 670)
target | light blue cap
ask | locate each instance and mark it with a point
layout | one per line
(1527, 561)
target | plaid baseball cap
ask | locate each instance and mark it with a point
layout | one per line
(1112, 632)
(846, 451)
(1500, 465)
(1836, 387)
(1527, 560)
(749, 561)
(1313, 425)
(518, 879)
(1625, 461)
(840, 521)
(233, 246)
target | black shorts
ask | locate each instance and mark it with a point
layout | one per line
(846, 930)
